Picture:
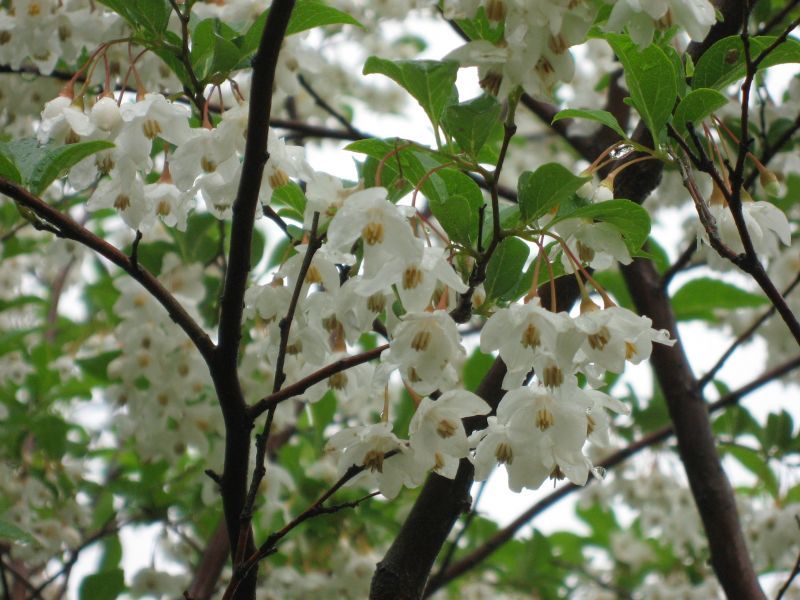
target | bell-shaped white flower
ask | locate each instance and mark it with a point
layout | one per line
(437, 428)
(425, 346)
(382, 226)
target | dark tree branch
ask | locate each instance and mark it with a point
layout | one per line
(743, 337)
(225, 363)
(67, 228)
(321, 374)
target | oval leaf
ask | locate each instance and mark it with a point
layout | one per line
(545, 188)
(506, 267)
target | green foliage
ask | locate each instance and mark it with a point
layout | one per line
(470, 123)
(544, 189)
(652, 81)
(696, 106)
(724, 63)
(106, 585)
(505, 267)
(701, 298)
(599, 116)
(36, 167)
(455, 200)
(430, 82)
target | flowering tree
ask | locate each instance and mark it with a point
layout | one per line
(298, 376)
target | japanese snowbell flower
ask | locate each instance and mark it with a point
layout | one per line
(124, 191)
(524, 333)
(615, 334)
(63, 121)
(367, 446)
(548, 431)
(437, 428)
(599, 245)
(641, 17)
(415, 276)
(383, 226)
(424, 347)
(202, 152)
(766, 224)
(171, 204)
(147, 119)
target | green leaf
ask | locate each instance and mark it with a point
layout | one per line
(630, 219)
(599, 116)
(9, 531)
(151, 16)
(755, 462)
(307, 14)
(546, 188)
(470, 123)
(724, 62)
(8, 170)
(475, 367)
(700, 298)
(106, 585)
(651, 79)
(214, 55)
(292, 197)
(455, 200)
(24, 153)
(506, 267)
(402, 165)
(430, 82)
(696, 106)
(481, 28)
(54, 162)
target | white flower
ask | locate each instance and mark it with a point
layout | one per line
(415, 276)
(383, 226)
(437, 427)
(615, 334)
(529, 335)
(425, 347)
(153, 117)
(766, 224)
(170, 204)
(367, 446)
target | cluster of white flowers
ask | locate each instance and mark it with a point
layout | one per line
(173, 412)
(31, 503)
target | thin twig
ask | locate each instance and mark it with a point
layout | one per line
(743, 337)
(306, 382)
(317, 508)
(324, 105)
(70, 229)
(285, 325)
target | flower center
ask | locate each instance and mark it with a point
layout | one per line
(313, 275)
(412, 277)
(553, 376)
(151, 128)
(598, 341)
(337, 381)
(278, 178)
(374, 461)
(163, 209)
(421, 340)
(504, 454)
(208, 165)
(373, 233)
(376, 303)
(122, 202)
(531, 338)
(585, 253)
(446, 428)
(544, 419)
(630, 350)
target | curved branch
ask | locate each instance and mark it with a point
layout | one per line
(68, 228)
